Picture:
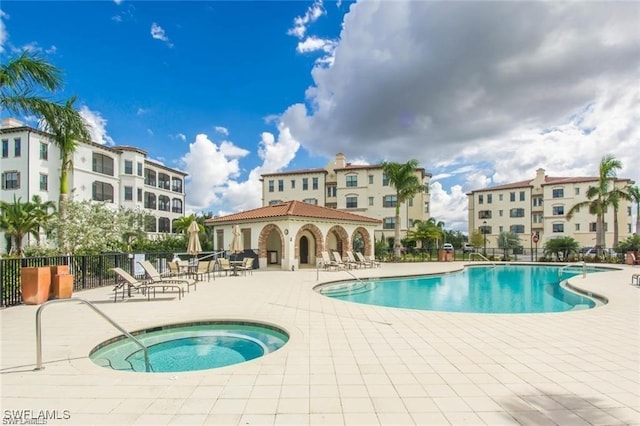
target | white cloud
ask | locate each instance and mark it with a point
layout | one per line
(118, 2)
(142, 111)
(150, 132)
(157, 32)
(97, 126)
(449, 207)
(478, 93)
(301, 23)
(4, 36)
(222, 130)
(182, 137)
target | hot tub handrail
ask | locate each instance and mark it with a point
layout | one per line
(484, 257)
(99, 312)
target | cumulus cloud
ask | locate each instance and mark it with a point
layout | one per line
(214, 171)
(97, 126)
(157, 32)
(3, 30)
(481, 90)
(222, 130)
(301, 23)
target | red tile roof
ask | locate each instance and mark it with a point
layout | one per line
(548, 180)
(293, 208)
(296, 172)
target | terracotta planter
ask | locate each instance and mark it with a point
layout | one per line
(59, 269)
(62, 286)
(35, 284)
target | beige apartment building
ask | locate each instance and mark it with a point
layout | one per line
(539, 207)
(355, 188)
(121, 176)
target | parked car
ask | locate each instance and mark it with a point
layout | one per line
(468, 248)
(606, 252)
(447, 247)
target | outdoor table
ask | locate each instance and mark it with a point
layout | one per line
(235, 264)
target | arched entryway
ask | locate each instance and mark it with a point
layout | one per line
(309, 244)
(361, 241)
(271, 244)
(304, 250)
(338, 240)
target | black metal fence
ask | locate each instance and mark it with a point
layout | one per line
(89, 271)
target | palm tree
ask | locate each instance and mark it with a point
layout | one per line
(634, 194)
(599, 197)
(44, 212)
(67, 127)
(22, 78)
(181, 224)
(18, 219)
(508, 241)
(425, 231)
(562, 248)
(403, 178)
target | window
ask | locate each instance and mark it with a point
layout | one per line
(480, 199)
(593, 227)
(331, 191)
(628, 210)
(500, 197)
(352, 202)
(17, 147)
(558, 193)
(280, 185)
(44, 182)
(489, 198)
(558, 227)
(102, 191)
(522, 195)
(558, 210)
(102, 164)
(331, 205)
(149, 177)
(305, 184)
(275, 202)
(410, 202)
(293, 184)
(517, 229)
(370, 179)
(484, 230)
(484, 214)
(385, 180)
(352, 181)
(577, 226)
(128, 193)
(314, 183)
(500, 228)
(139, 198)
(11, 180)
(512, 196)
(176, 185)
(149, 200)
(516, 213)
(164, 203)
(311, 201)
(44, 151)
(176, 205)
(128, 167)
(164, 181)
(500, 213)
(537, 201)
(5, 148)
(370, 201)
(537, 218)
(164, 224)
(389, 223)
(271, 186)
(150, 224)
(389, 201)
(576, 191)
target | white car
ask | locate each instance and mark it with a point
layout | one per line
(447, 247)
(468, 248)
(607, 252)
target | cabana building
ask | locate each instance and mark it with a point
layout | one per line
(293, 234)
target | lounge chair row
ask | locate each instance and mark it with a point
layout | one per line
(350, 263)
(153, 282)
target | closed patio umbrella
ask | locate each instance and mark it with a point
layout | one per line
(236, 241)
(194, 247)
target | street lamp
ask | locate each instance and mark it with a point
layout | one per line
(484, 233)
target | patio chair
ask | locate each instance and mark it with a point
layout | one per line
(156, 278)
(373, 261)
(224, 265)
(339, 261)
(352, 261)
(128, 283)
(203, 268)
(363, 261)
(174, 269)
(247, 266)
(327, 263)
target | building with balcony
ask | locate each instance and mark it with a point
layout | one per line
(539, 207)
(355, 188)
(122, 176)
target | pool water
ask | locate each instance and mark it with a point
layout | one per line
(190, 347)
(499, 289)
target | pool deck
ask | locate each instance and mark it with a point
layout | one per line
(345, 363)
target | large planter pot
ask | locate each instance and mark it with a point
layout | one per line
(62, 286)
(55, 270)
(35, 284)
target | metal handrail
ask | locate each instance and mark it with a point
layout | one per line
(99, 312)
(480, 254)
(583, 266)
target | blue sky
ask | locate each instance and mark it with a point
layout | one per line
(481, 93)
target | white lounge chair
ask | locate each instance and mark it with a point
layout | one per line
(129, 282)
(156, 278)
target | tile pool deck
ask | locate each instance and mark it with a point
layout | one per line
(345, 363)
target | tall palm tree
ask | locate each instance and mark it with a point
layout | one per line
(599, 196)
(67, 127)
(181, 224)
(403, 178)
(634, 194)
(22, 79)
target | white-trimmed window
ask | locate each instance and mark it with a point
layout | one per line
(44, 182)
(102, 191)
(11, 180)
(352, 202)
(389, 201)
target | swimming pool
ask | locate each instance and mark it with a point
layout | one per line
(479, 289)
(190, 346)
